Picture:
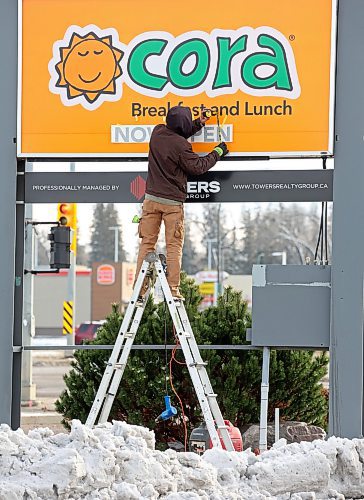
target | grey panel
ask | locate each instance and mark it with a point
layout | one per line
(291, 308)
(298, 274)
(52, 291)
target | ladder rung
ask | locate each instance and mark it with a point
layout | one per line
(199, 364)
(211, 395)
(119, 365)
(110, 394)
(222, 427)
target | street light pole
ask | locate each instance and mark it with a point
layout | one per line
(116, 242)
(209, 252)
(71, 278)
(28, 388)
(283, 255)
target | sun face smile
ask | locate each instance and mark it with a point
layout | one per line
(92, 80)
(82, 59)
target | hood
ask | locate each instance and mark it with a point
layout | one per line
(179, 119)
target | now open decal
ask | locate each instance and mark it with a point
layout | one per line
(96, 77)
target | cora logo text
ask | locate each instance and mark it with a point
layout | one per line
(90, 65)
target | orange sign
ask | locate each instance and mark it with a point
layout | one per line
(105, 274)
(95, 81)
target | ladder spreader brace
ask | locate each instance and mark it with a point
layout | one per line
(153, 268)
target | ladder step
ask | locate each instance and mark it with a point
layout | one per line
(211, 395)
(185, 335)
(222, 427)
(117, 366)
(199, 364)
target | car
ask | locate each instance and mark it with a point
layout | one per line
(87, 331)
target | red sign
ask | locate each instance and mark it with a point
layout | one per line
(105, 274)
(137, 187)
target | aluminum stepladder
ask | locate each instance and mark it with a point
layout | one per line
(153, 268)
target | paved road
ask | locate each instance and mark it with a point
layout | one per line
(48, 378)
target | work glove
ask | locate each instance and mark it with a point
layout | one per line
(221, 149)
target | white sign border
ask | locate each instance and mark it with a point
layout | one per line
(143, 156)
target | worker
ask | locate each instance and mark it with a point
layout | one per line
(171, 159)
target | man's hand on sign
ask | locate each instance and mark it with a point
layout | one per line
(221, 149)
(205, 115)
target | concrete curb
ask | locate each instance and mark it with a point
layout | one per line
(40, 418)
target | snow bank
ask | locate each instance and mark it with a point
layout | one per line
(118, 461)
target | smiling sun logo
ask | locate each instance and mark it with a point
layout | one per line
(85, 68)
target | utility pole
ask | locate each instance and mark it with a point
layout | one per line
(218, 250)
(116, 242)
(71, 282)
(209, 252)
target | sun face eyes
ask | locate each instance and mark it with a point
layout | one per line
(96, 52)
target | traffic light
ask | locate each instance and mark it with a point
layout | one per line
(67, 216)
(60, 238)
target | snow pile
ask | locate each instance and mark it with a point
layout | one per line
(118, 461)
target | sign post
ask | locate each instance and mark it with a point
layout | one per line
(346, 354)
(10, 364)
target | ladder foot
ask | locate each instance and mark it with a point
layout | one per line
(140, 301)
(178, 301)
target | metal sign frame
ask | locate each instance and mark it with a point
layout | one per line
(347, 299)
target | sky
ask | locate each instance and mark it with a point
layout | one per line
(127, 210)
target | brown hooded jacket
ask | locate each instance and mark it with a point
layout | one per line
(171, 157)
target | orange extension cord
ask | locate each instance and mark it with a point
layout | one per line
(173, 358)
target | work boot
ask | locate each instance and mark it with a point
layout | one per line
(176, 294)
(140, 300)
(143, 291)
(163, 260)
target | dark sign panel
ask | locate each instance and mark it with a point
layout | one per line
(129, 187)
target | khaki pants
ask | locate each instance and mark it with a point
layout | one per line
(149, 226)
